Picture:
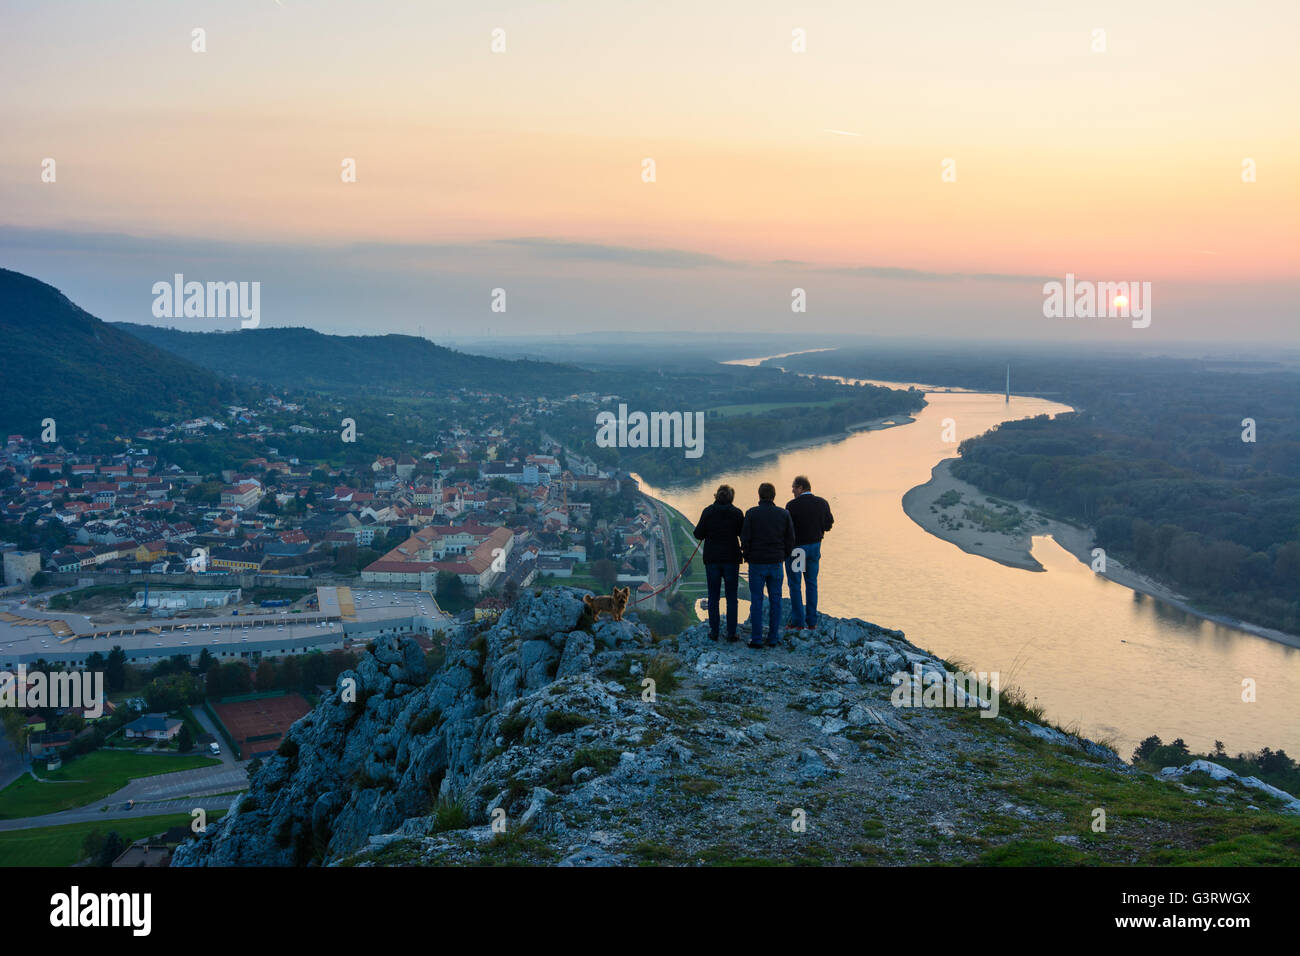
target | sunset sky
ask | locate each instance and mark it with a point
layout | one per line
(523, 169)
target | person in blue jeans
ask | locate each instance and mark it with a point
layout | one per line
(801, 572)
(812, 518)
(719, 528)
(761, 577)
(766, 540)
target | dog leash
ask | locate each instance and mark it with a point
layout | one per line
(667, 584)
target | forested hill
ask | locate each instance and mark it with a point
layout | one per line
(1154, 461)
(59, 361)
(304, 358)
(745, 410)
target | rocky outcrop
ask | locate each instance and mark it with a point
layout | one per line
(392, 740)
(1061, 739)
(549, 738)
(1221, 774)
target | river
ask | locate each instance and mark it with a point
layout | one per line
(1112, 662)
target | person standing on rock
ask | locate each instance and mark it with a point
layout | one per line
(766, 540)
(812, 519)
(719, 528)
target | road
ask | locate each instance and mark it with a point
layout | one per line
(670, 553)
(671, 566)
(90, 815)
(227, 758)
(178, 792)
(655, 603)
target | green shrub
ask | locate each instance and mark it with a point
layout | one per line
(564, 721)
(662, 669)
(512, 728)
(603, 759)
(425, 722)
(449, 815)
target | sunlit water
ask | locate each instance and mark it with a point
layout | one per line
(754, 362)
(1114, 662)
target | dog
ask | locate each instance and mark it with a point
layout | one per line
(615, 603)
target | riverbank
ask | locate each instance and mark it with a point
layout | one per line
(874, 425)
(939, 506)
(755, 362)
(980, 524)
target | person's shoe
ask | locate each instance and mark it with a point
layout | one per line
(794, 627)
(713, 637)
(732, 638)
(756, 646)
(772, 644)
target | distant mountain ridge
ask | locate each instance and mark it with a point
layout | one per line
(59, 361)
(305, 358)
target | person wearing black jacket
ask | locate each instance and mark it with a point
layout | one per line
(766, 540)
(812, 519)
(719, 528)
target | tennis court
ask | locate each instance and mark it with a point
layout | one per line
(257, 726)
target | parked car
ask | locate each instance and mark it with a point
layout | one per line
(215, 748)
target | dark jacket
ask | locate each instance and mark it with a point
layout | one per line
(719, 529)
(767, 536)
(811, 516)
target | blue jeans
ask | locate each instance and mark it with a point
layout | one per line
(760, 576)
(717, 574)
(812, 555)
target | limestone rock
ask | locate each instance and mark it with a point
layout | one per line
(1290, 804)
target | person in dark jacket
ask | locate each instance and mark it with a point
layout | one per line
(766, 540)
(812, 519)
(719, 528)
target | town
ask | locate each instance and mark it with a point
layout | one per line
(470, 521)
(222, 597)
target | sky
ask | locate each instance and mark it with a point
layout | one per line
(523, 169)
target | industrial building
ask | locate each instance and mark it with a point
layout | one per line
(344, 616)
(167, 600)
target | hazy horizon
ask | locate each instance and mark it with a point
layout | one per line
(822, 170)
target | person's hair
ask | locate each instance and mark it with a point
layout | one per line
(767, 491)
(801, 482)
(725, 495)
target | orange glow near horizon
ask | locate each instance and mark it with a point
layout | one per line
(1129, 162)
